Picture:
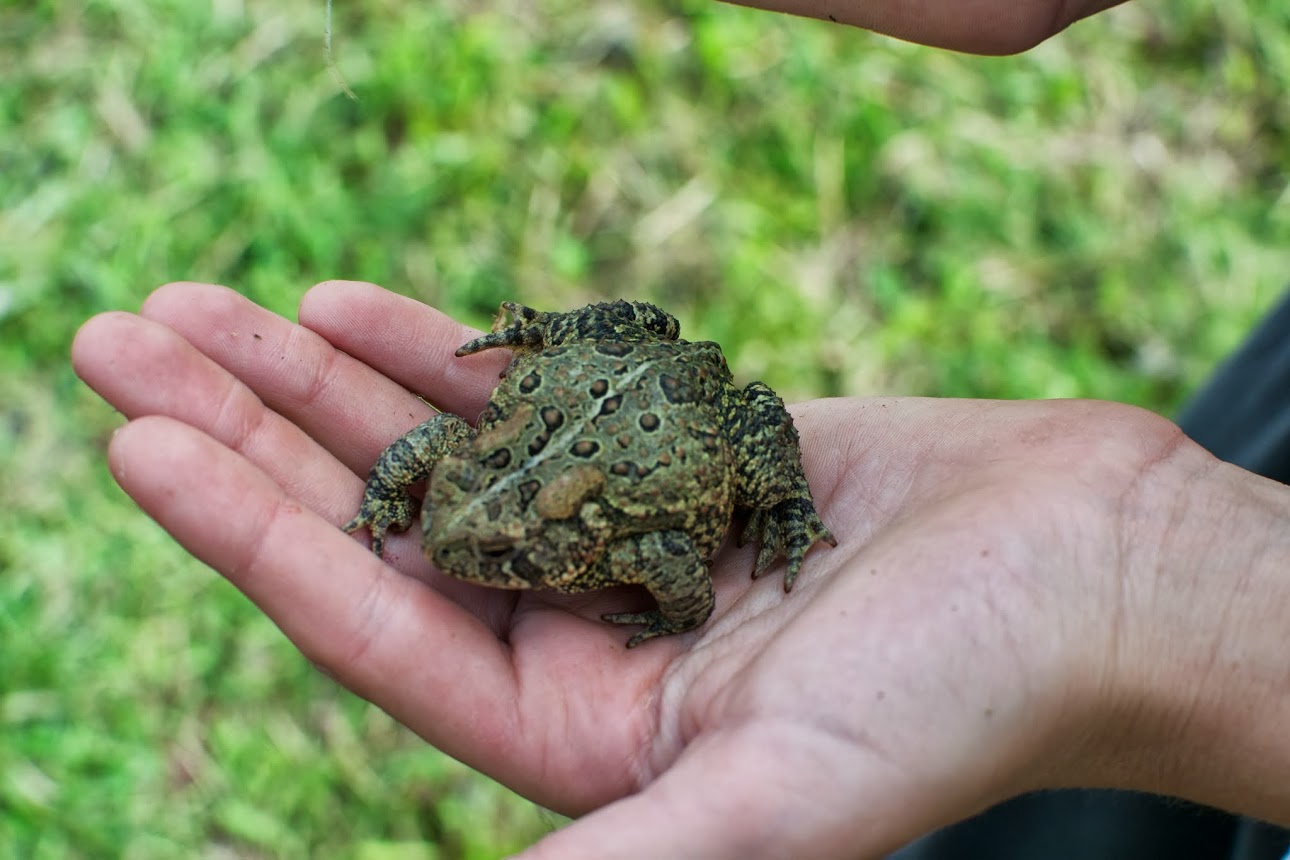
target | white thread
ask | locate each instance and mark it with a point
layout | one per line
(331, 60)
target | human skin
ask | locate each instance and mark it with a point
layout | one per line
(975, 26)
(1024, 595)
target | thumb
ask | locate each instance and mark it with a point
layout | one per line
(765, 790)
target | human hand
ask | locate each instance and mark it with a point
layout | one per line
(977, 27)
(1023, 595)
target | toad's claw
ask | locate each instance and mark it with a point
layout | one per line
(655, 624)
(380, 516)
(788, 529)
(378, 533)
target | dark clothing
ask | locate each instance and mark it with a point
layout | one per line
(1101, 825)
(1242, 415)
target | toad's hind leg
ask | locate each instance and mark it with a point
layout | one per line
(668, 565)
(530, 331)
(768, 463)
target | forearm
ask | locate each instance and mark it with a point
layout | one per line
(977, 26)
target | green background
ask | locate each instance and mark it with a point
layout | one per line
(1104, 216)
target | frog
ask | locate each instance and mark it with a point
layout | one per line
(612, 452)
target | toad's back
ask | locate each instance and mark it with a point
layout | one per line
(646, 416)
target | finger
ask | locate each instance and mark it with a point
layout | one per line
(766, 790)
(383, 635)
(144, 368)
(352, 410)
(408, 341)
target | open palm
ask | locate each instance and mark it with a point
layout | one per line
(811, 720)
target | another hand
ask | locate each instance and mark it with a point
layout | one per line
(976, 26)
(1023, 595)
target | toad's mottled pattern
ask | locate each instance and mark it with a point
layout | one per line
(611, 452)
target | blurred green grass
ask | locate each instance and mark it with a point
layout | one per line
(1104, 216)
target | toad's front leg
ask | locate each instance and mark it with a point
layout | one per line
(667, 564)
(386, 504)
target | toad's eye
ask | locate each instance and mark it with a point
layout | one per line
(495, 548)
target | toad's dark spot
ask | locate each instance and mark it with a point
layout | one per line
(531, 382)
(524, 567)
(676, 391)
(673, 545)
(584, 448)
(649, 422)
(552, 417)
(616, 348)
(499, 459)
(599, 388)
(538, 442)
(528, 490)
(611, 404)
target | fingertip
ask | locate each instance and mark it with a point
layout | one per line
(146, 447)
(338, 288)
(163, 302)
(89, 343)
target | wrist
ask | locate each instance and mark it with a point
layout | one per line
(1197, 699)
